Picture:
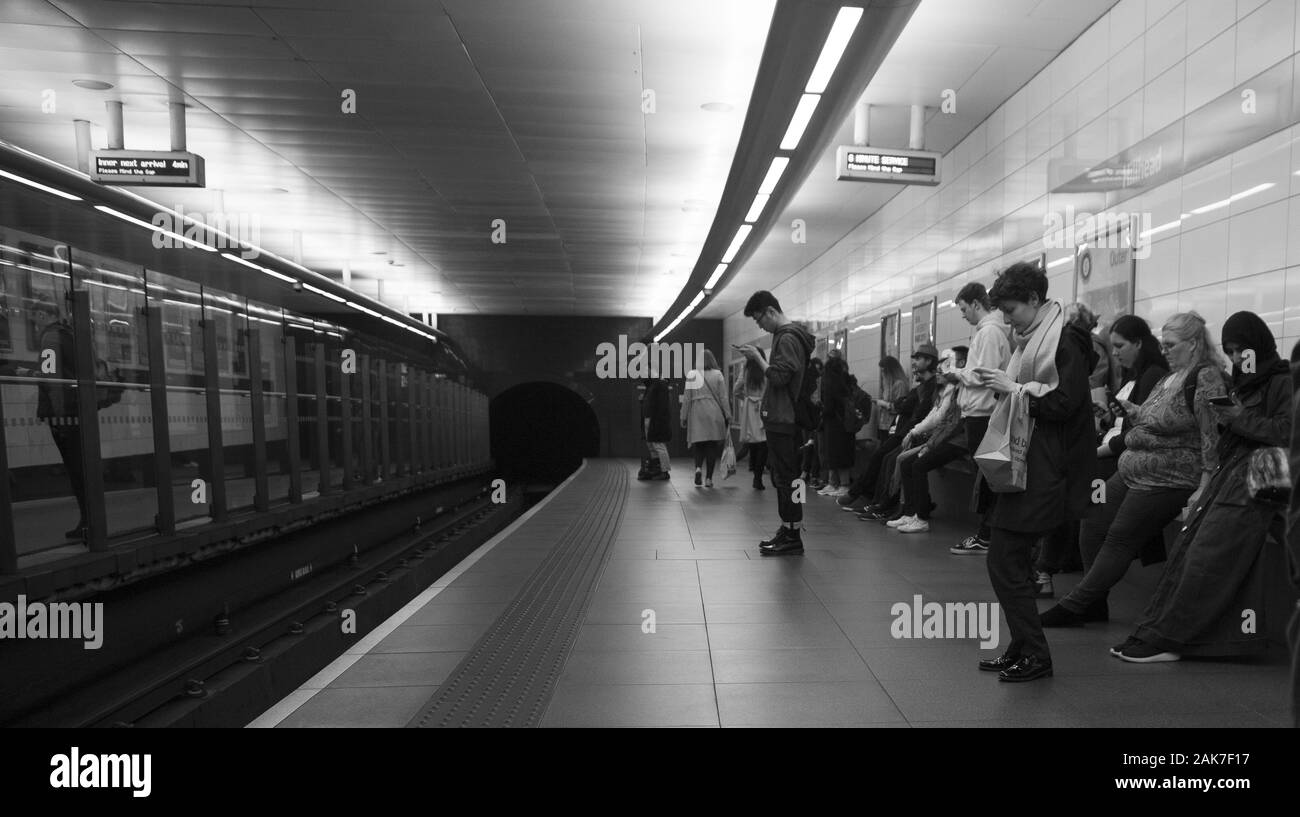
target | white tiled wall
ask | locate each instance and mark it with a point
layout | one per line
(1140, 68)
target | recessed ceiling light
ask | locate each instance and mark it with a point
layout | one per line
(92, 84)
(379, 252)
(718, 107)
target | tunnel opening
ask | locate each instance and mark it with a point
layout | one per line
(541, 431)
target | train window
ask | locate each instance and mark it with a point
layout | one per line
(228, 314)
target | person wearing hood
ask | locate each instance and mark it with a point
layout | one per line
(791, 348)
(1050, 363)
(1216, 571)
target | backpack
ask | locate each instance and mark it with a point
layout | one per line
(807, 414)
(857, 407)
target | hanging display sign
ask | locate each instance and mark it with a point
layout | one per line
(148, 168)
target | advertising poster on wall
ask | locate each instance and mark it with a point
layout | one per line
(890, 340)
(924, 316)
(1104, 270)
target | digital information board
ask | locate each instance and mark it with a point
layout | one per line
(151, 168)
(858, 163)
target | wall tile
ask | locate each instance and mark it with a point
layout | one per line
(1207, 19)
(1163, 99)
(1210, 70)
(1204, 256)
(1257, 240)
(1158, 274)
(1261, 294)
(1166, 42)
(1127, 21)
(1258, 43)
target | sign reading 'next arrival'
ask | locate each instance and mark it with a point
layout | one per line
(147, 167)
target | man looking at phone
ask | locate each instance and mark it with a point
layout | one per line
(990, 348)
(791, 346)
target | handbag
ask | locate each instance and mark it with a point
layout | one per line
(1268, 476)
(853, 419)
(1002, 453)
(728, 459)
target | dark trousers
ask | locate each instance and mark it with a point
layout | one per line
(783, 453)
(758, 458)
(1113, 535)
(865, 485)
(68, 440)
(916, 476)
(1060, 548)
(707, 450)
(811, 462)
(882, 495)
(1013, 584)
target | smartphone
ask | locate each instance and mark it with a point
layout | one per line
(1220, 401)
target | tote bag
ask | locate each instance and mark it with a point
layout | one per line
(1001, 455)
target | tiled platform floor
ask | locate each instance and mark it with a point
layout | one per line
(742, 640)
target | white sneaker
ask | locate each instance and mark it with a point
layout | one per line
(840, 491)
(903, 520)
(827, 491)
(917, 525)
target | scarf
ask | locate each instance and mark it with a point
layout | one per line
(1248, 331)
(1033, 358)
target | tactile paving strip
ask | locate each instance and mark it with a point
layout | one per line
(509, 676)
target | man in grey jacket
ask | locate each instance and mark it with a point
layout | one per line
(791, 346)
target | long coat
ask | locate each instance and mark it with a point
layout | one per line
(749, 411)
(1217, 570)
(1062, 455)
(703, 416)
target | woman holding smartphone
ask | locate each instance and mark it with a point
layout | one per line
(1168, 459)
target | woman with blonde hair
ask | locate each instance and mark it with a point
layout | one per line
(705, 416)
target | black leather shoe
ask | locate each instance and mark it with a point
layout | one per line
(1000, 663)
(1029, 668)
(779, 536)
(1059, 616)
(786, 543)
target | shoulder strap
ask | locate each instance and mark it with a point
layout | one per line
(725, 416)
(1189, 386)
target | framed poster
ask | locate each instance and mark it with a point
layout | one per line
(1105, 268)
(924, 316)
(890, 335)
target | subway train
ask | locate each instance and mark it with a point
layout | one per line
(220, 403)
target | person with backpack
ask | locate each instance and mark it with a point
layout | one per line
(1169, 457)
(837, 409)
(786, 410)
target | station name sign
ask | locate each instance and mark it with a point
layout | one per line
(865, 164)
(150, 168)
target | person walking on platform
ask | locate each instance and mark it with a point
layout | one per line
(791, 348)
(657, 424)
(1049, 366)
(748, 393)
(705, 416)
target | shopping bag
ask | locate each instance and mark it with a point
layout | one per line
(1002, 453)
(728, 463)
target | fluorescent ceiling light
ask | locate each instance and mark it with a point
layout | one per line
(1058, 262)
(361, 308)
(773, 175)
(39, 186)
(845, 22)
(329, 295)
(251, 265)
(756, 209)
(699, 296)
(717, 274)
(799, 122)
(154, 229)
(737, 242)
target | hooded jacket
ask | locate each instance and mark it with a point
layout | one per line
(791, 346)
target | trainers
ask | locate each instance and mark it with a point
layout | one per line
(902, 520)
(839, 493)
(970, 546)
(699, 478)
(848, 501)
(1143, 653)
(1128, 642)
(917, 525)
(708, 483)
(1044, 582)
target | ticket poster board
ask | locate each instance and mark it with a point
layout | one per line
(924, 316)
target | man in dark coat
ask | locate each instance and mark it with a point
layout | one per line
(1049, 368)
(1293, 539)
(656, 425)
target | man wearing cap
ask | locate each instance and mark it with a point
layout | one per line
(911, 410)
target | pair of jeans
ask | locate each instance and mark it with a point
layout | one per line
(660, 451)
(866, 484)
(1011, 574)
(783, 454)
(916, 476)
(1113, 535)
(707, 451)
